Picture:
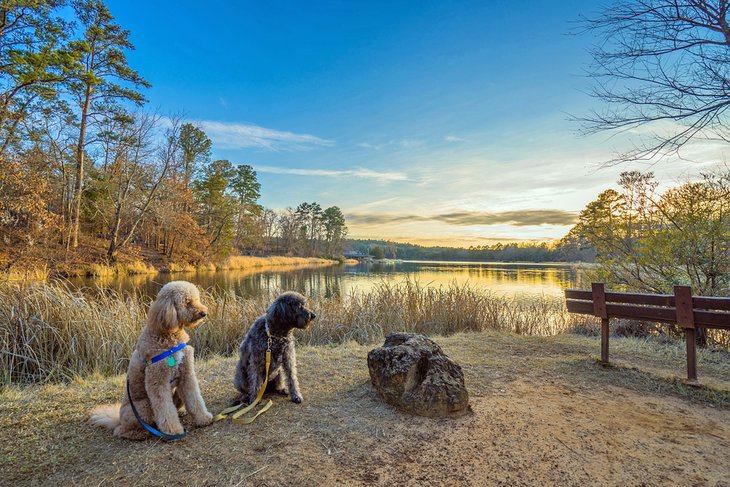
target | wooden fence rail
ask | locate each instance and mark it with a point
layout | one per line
(681, 308)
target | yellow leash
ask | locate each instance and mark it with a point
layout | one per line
(237, 411)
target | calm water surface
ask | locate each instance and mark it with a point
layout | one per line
(510, 279)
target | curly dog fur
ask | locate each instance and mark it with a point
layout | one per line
(286, 313)
(158, 390)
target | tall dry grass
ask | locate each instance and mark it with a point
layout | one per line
(237, 262)
(244, 262)
(25, 274)
(49, 332)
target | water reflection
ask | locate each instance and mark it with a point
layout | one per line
(519, 279)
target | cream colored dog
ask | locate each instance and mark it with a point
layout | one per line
(158, 389)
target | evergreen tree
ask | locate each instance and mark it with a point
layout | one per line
(95, 81)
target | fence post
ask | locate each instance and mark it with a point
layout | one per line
(599, 309)
(686, 319)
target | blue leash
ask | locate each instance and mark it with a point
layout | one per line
(163, 355)
(171, 363)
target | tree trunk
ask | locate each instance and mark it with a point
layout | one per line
(80, 167)
(114, 238)
(172, 247)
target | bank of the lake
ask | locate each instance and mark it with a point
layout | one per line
(129, 267)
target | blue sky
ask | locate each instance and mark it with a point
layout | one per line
(431, 122)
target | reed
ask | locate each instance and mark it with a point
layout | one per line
(49, 332)
(39, 273)
(245, 262)
(99, 270)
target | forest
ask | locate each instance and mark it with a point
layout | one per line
(89, 174)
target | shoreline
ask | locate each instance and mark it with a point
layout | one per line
(139, 267)
(145, 267)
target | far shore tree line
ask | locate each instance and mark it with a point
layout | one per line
(639, 239)
(564, 250)
(86, 174)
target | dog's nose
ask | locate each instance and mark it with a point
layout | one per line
(313, 316)
(203, 314)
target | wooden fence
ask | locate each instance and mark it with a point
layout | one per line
(680, 308)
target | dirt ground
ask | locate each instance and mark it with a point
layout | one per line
(543, 413)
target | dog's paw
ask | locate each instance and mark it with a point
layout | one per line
(296, 399)
(173, 429)
(204, 419)
(282, 392)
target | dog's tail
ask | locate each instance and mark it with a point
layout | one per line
(106, 416)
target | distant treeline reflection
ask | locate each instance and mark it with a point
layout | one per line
(568, 249)
(341, 281)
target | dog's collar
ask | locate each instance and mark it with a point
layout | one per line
(166, 354)
(270, 335)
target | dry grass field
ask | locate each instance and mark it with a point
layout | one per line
(543, 413)
(52, 333)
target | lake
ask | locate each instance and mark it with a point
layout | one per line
(521, 280)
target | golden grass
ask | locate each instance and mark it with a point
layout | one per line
(138, 267)
(119, 269)
(51, 333)
(32, 274)
(245, 262)
(242, 262)
(99, 270)
(176, 267)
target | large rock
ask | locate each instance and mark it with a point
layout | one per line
(411, 372)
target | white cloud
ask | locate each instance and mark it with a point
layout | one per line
(365, 145)
(346, 173)
(242, 135)
(453, 138)
(410, 143)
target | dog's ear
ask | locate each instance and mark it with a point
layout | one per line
(163, 314)
(277, 313)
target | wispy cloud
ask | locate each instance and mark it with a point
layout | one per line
(345, 173)
(519, 218)
(453, 138)
(450, 241)
(383, 202)
(366, 145)
(409, 143)
(242, 136)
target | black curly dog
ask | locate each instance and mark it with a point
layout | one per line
(285, 314)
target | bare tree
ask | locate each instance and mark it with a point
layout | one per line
(134, 174)
(661, 61)
(288, 227)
